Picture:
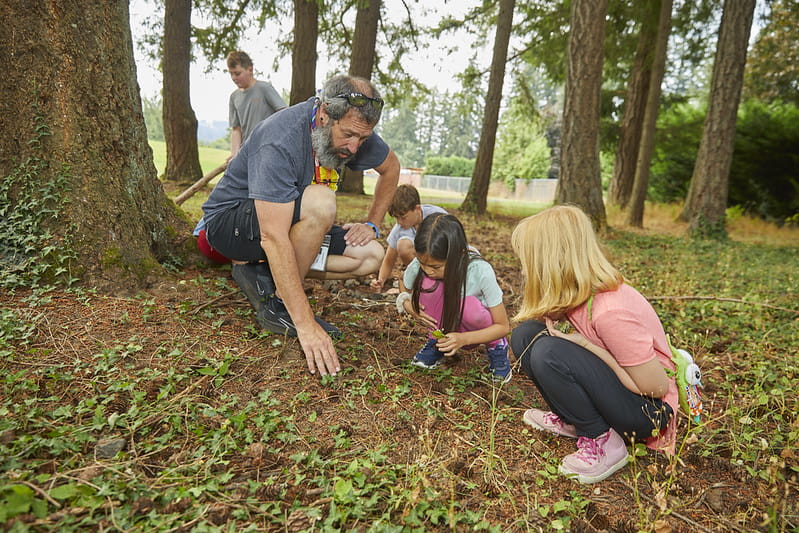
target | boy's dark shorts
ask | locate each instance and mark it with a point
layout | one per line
(235, 232)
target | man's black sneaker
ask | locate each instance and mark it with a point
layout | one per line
(273, 316)
(331, 330)
(255, 281)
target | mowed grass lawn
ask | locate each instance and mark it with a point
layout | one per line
(210, 158)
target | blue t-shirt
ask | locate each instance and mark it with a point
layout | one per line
(481, 282)
(276, 163)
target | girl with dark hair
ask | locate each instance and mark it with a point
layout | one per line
(455, 293)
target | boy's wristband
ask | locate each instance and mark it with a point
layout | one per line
(374, 227)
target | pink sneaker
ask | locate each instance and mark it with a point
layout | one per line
(595, 459)
(549, 421)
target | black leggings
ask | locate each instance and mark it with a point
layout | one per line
(581, 389)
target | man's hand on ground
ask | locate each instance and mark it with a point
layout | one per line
(320, 353)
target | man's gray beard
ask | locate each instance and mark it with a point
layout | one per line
(323, 147)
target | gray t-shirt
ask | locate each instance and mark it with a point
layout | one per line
(248, 108)
(276, 163)
(398, 232)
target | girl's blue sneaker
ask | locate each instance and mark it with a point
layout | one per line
(499, 364)
(428, 357)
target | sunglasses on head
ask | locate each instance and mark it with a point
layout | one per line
(360, 100)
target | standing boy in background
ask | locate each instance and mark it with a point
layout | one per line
(407, 208)
(253, 101)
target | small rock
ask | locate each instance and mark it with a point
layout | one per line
(108, 448)
(8, 436)
(715, 499)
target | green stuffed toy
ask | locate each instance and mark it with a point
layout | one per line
(689, 381)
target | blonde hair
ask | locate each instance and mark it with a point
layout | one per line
(562, 262)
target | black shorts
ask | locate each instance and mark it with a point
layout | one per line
(235, 232)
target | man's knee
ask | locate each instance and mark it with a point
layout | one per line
(318, 206)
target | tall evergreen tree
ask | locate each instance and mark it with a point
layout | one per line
(621, 185)
(635, 215)
(303, 54)
(80, 105)
(180, 122)
(706, 202)
(580, 181)
(476, 197)
(362, 61)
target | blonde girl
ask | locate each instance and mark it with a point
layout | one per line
(605, 384)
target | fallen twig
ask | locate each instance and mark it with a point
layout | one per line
(213, 301)
(671, 511)
(720, 299)
(199, 184)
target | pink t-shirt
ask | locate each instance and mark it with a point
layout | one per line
(625, 324)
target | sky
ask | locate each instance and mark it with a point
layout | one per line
(210, 91)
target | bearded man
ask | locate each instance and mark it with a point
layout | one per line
(273, 211)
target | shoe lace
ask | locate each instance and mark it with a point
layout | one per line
(590, 450)
(553, 419)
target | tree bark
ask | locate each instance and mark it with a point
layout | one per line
(706, 202)
(580, 182)
(362, 62)
(180, 123)
(303, 52)
(477, 195)
(621, 185)
(635, 215)
(69, 65)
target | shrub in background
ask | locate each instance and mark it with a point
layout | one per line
(764, 177)
(453, 165)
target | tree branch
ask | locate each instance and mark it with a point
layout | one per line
(720, 299)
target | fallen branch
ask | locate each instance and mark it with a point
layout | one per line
(200, 183)
(720, 299)
(671, 512)
(206, 304)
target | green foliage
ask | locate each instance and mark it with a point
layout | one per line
(679, 131)
(35, 248)
(522, 151)
(449, 166)
(763, 177)
(399, 128)
(153, 118)
(772, 66)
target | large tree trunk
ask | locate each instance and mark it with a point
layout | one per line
(180, 123)
(477, 195)
(68, 66)
(635, 216)
(303, 52)
(580, 181)
(621, 185)
(706, 203)
(362, 62)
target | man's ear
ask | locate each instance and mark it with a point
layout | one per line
(322, 114)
